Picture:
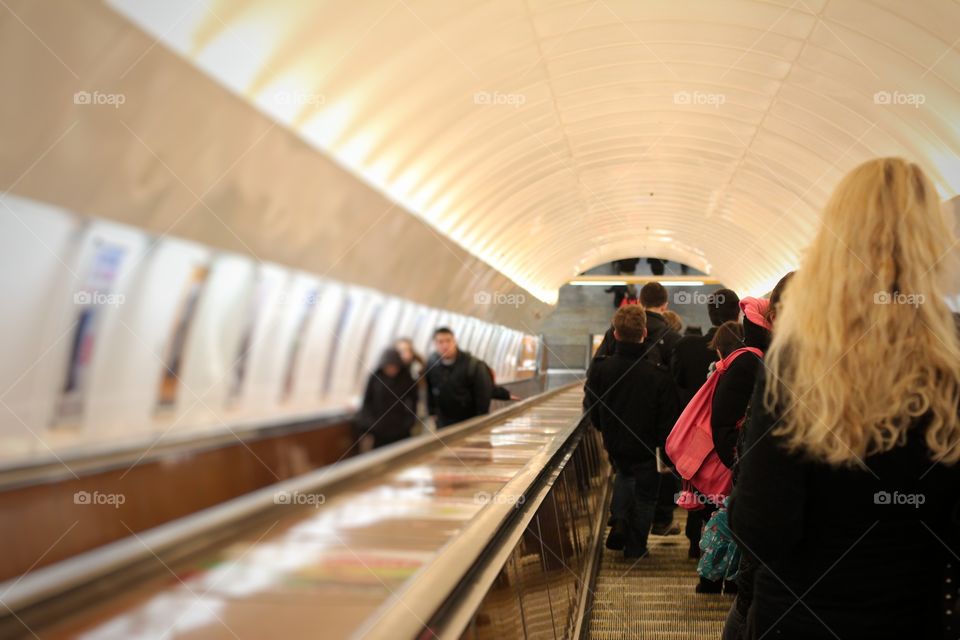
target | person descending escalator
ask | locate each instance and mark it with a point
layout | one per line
(692, 355)
(846, 492)
(654, 300)
(389, 408)
(663, 339)
(729, 441)
(632, 401)
(692, 359)
(459, 385)
(730, 399)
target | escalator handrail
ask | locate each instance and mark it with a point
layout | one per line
(48, 583)
(407, 612)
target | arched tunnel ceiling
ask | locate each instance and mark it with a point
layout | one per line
(546, 137)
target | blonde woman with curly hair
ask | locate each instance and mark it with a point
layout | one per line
(849, 475)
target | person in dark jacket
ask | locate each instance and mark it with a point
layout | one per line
(756, 312)
(459, 386)
(849, 472)
(389, 408)
(654, 299)
(692, 355)
(730, 400)
(865, 548)
(633, 402)
(736, 386)
(651, 353)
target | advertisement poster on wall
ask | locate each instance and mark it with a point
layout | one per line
(238, 371)
(361, 371)
(95, 294)
(335, 347)
(173, 357)
(307, 305)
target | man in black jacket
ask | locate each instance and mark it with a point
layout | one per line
(654, 300)
(663, 339)
(692, 355)
(633, 402)
(459, 385)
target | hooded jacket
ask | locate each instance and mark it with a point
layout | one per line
(666, 339)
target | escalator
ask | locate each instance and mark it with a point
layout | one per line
(654, 597)
(488, 531)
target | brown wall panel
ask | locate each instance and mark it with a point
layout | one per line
(44, 523)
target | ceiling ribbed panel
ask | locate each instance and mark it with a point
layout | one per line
(548, 136)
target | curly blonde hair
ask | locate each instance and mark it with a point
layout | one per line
(864, 342)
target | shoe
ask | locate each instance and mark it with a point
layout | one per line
(617, 538)
(669, 529)
(694, 551)
(709, 586)
(631, 554)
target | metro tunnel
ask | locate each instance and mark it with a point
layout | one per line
(535, 319)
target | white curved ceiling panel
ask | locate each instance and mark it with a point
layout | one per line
(546, 136)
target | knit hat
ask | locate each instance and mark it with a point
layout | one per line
(755, 310)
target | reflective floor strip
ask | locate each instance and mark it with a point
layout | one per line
(654, 597)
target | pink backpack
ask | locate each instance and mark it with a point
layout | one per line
(690, 444)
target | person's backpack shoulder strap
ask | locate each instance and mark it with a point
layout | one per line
(473, 367)
(724, 364)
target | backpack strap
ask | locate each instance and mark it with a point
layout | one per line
(724, 364)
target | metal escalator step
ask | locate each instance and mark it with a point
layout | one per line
(654, 598)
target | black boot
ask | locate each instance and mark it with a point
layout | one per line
(617, 538)
(709, 586)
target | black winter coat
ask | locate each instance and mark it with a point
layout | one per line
(458, 391)
(733, 393)
(691, 361)
(389, 408)
(665, 338)
(866, 563)
(633, 402)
